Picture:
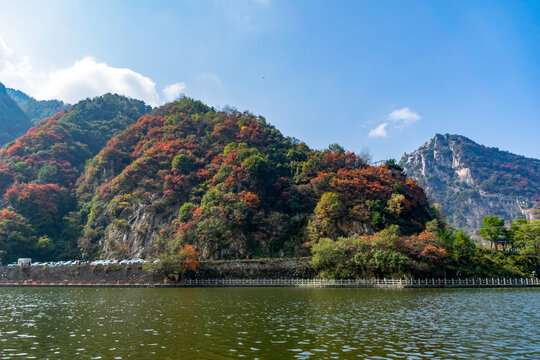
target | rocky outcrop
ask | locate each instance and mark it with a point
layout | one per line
(471, 181)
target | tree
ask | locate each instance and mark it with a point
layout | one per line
(326, 216)
(48, 174)
(183, 163)
(327, 254)
(176, 265)
(42, 204)
(493, 230)
(395, 204)
(387, 238)
(526, 237)
(464, 247)
(432, 226)
(17, 237)
(526, 234)
(336, 148)
(186, 211)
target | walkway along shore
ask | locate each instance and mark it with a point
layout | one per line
(309, 283)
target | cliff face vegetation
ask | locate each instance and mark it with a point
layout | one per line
(232, 186)
(13, 121)
(471, 181)
(39, 170)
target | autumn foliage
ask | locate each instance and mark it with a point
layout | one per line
(231, 185)
(39, 170)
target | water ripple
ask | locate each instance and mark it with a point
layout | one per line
(269, 323)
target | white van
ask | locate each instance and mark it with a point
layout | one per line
(24, 262)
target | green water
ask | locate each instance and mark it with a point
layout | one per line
(269, 323)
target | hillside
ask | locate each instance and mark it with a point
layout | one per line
(471, 181)
(38, 172)
(232, 186)
(36, 110)
(13, 121)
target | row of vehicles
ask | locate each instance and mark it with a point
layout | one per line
(28, 262)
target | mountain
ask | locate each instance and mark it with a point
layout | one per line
(34, 109)
(13, 121)
(471, 181)
(232, 186)
(39, 170)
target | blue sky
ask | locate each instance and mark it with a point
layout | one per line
(386, 75)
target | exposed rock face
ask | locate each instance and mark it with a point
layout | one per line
(471, 181)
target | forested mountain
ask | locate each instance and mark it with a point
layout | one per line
(36, 110)
(471, 181)
(38, 173)
(13, 121)
(111, 178)
(232, 186)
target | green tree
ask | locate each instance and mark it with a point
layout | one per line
(183, 163)
(387, 238)
(17, 237)
(336, 148)
(48, 174)
(186, 211)
(526, 237)
(464, 247)
(327, 254)
(255, 164)
(326, 216)
(493, 230)
(432, 226)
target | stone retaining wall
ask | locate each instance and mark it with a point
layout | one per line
(225, 269)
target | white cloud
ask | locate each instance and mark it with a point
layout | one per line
(173, 91)
(405, 115)
(89, 78)
(85, 78)
(379, 131)
(395, 121)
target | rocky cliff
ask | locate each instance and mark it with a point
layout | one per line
(471, 181)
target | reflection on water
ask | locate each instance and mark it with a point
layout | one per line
(269, 323)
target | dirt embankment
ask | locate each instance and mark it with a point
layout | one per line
(225, 269)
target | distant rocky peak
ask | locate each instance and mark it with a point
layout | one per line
(471, 180)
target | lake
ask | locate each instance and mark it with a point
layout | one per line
(269, 323)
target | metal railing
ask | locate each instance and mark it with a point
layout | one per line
(433, 282)
(366, 282)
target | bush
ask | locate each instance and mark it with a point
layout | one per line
(183, 163)
(327, 254)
